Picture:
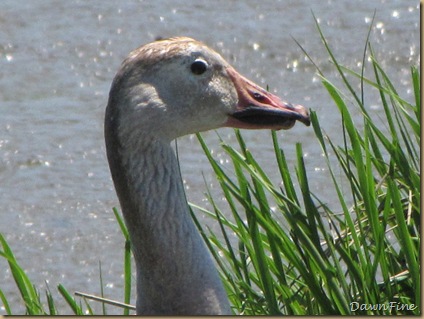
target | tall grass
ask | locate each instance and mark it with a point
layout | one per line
(363, 259)
(33, 302)
(360, 259)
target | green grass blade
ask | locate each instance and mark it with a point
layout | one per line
(50, 302)
(77, 310)
(5, 303)
(26, 288)
(411, 249)
(127, 260)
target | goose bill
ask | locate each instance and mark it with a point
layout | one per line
(258, 108)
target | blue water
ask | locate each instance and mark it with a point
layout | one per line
(57, 60)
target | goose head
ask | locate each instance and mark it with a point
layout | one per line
(177, 86)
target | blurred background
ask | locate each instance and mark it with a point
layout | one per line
(57, 61)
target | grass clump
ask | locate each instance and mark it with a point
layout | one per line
(360, 259)
(33, 302)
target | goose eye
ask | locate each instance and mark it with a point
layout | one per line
(199, 67)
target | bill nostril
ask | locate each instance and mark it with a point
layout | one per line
(258, 96)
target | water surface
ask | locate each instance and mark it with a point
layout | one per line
(57, 60)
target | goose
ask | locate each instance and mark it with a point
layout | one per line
(163, 90)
